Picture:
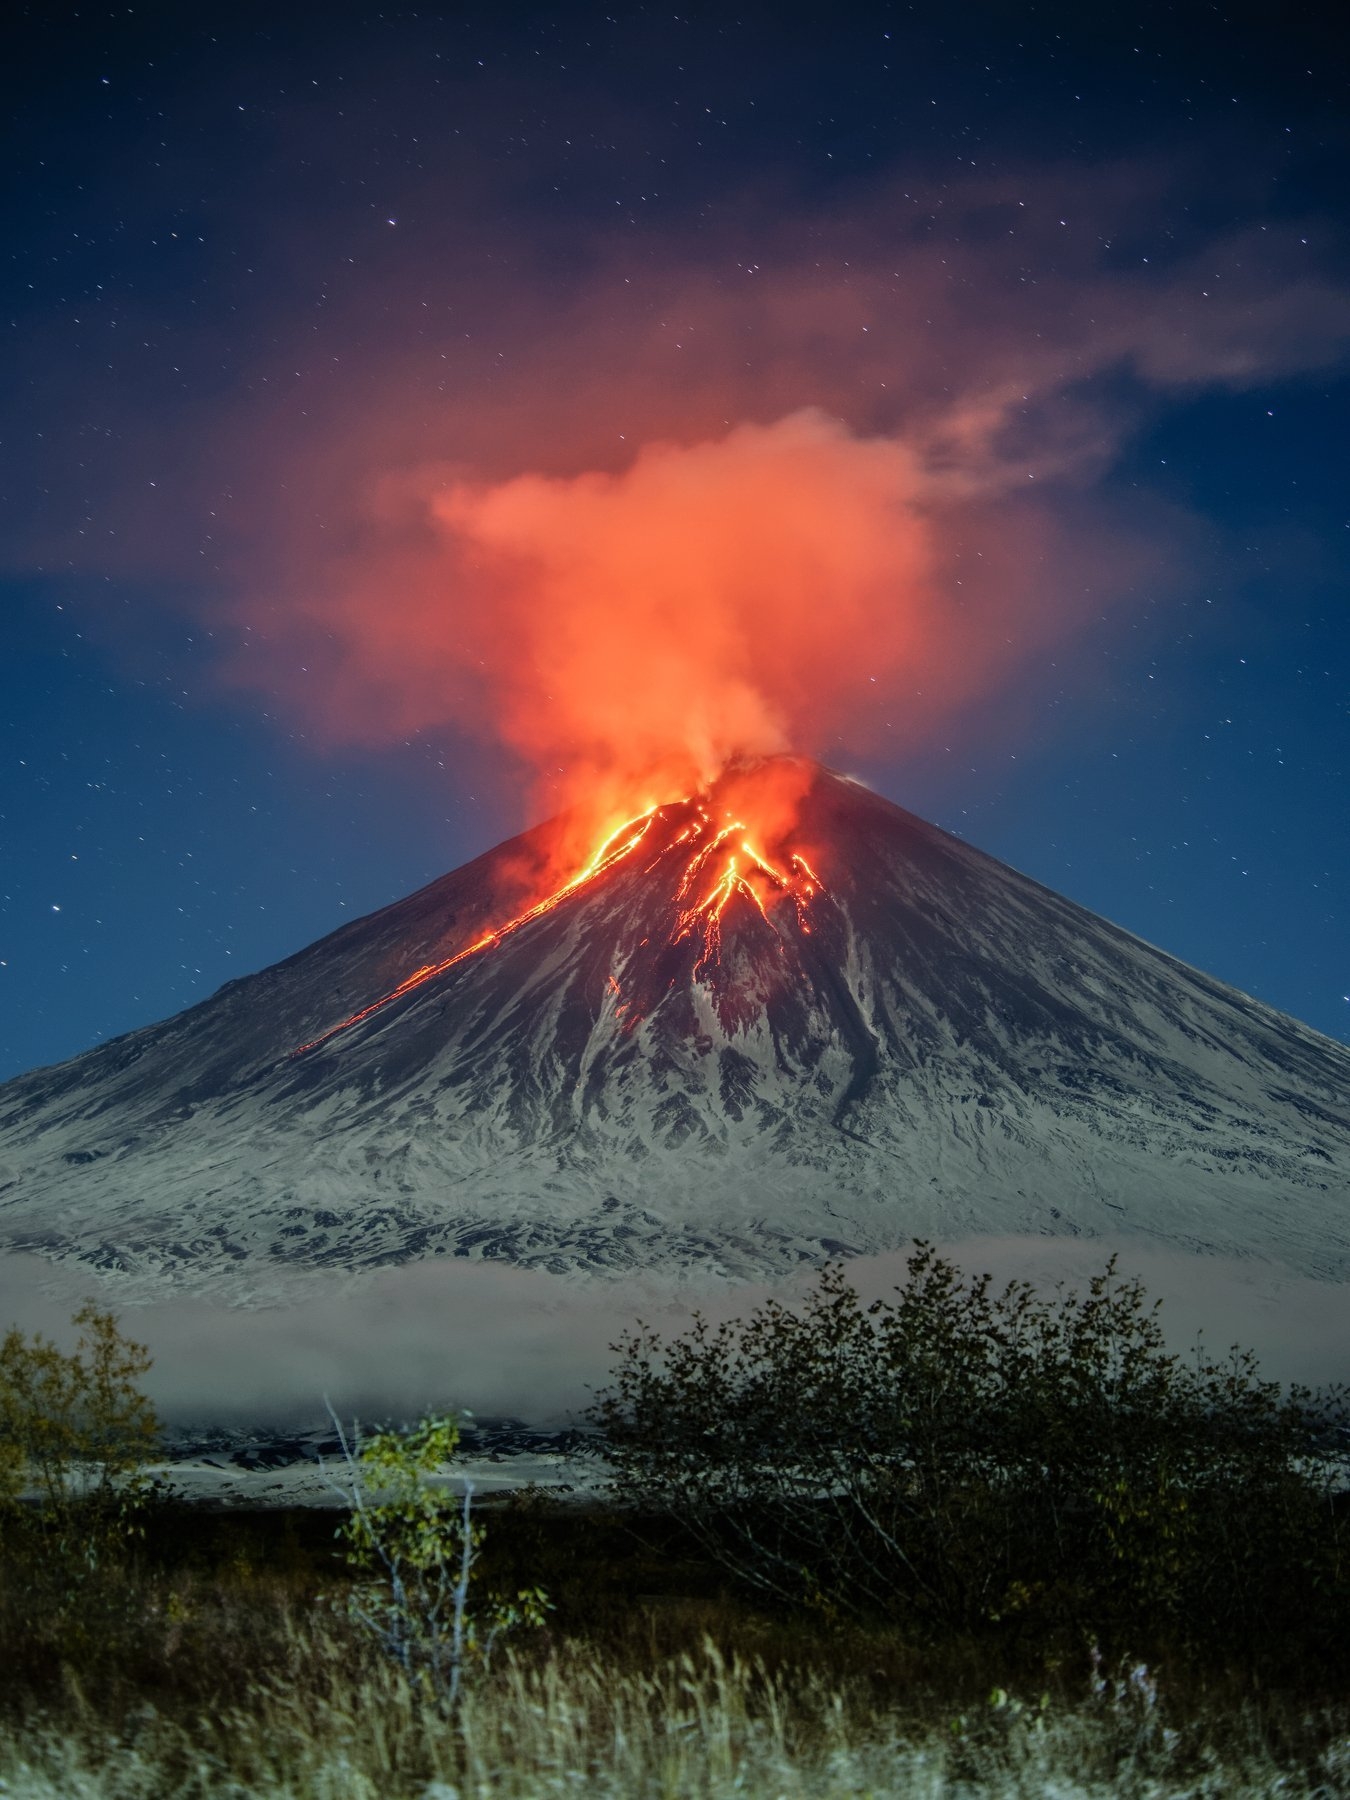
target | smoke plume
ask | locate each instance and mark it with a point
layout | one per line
(835, 504)
(782, 586)
(626, 506)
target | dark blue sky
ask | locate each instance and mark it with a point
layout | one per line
(256, 258)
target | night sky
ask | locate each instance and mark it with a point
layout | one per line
(262, 263)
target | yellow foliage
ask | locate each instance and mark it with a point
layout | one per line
(75, 1434)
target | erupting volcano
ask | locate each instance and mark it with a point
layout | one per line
(716, 869)
(769, 1020)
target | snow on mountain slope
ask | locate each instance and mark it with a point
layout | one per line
(880, 1034)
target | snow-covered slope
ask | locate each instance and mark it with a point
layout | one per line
(920, 1042)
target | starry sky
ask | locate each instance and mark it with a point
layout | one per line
(261, 263)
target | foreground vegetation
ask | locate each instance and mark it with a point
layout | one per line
(960, 1543)
(956, 1456)
(225, 1663)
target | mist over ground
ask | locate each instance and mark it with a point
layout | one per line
(521, 1343)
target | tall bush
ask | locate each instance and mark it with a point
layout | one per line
(415, 1546)
(75, 1434)
(967, 1454)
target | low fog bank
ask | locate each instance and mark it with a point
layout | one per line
(519, 1343)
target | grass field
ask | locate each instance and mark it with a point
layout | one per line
(221, 1662)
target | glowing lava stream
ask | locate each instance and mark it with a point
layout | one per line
(802, 884)
(745, 873)
(603, 859)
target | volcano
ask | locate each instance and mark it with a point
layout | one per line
(706, 1051)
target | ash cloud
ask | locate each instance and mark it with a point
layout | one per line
(826, 501)
(840, 478)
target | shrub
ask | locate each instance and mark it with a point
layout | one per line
(75, 1433)
(417, 1546)
(970, 1455)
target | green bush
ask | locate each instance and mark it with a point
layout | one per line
(75, 1434)
(962, 1455)
(415, 1548)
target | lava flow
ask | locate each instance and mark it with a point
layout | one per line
(737, 870)
(604, 858)
(715, 862)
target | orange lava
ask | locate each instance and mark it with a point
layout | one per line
(604, 858)
(728, 867)
(721, 865)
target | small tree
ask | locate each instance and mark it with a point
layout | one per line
(75, 1434)
(417, 1546)
(972, 1454)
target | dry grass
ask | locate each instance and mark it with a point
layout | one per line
(222, 1663)
(318, 1719)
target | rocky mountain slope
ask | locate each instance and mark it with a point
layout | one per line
(706, 1053)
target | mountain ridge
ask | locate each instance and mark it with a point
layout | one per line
(709, 1056)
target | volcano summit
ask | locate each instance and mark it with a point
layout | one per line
(772, 1021)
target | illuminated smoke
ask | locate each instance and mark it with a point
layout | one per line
(785, 586)
(710, 602)
(665, 513)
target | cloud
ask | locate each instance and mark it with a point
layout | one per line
(833, 498)
(519, 1343)
(781, 586)
(838, 476)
